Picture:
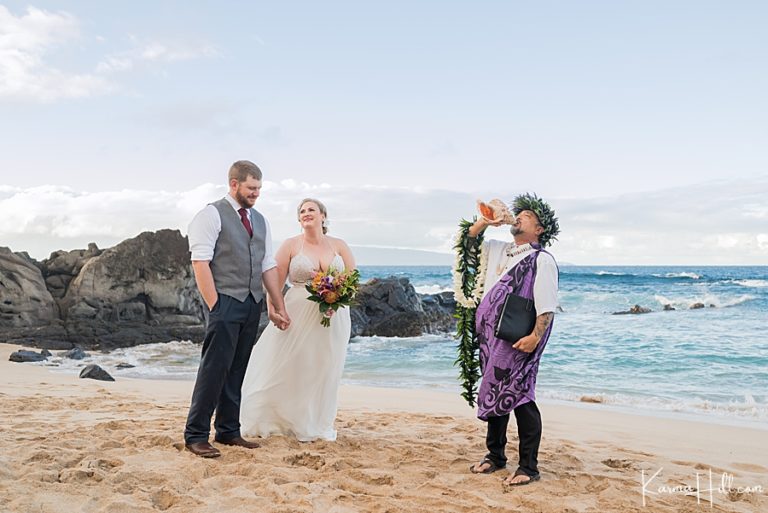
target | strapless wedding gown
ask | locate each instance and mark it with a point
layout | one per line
(292, 381)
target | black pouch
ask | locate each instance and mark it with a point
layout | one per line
(517, 319)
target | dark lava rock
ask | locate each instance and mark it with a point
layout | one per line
(390, 307)
(75, 354)
(24, 356)
(93, 371)
(637, 309)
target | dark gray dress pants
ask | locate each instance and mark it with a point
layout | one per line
(230, 335)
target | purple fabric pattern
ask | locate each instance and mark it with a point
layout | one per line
(508, 374)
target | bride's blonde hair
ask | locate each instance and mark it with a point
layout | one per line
(320, 205)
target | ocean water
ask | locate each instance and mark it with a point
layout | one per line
(711, 361)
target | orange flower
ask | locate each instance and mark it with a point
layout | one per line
(330, 297)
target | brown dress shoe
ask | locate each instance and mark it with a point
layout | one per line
(239, 442)
(203, 449)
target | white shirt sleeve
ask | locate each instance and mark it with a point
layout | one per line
(203, 232)
(269, 261)
(545, 286)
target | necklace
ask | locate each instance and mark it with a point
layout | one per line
(511, 251)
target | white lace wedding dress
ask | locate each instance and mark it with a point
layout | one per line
(292, 381)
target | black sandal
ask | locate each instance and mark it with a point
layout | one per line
(490, 470)
(519, 472)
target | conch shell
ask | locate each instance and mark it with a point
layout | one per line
(495, 211)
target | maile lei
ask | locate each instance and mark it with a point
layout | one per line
(468, 277)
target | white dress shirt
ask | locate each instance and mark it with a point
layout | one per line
(545, 286)
(204, 231)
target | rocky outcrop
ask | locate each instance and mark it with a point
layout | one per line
(391, 307)
(63, 266)
(140, 291)
(24, 299)
(439, 310)
(143, 291)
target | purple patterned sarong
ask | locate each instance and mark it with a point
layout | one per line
(509, 375)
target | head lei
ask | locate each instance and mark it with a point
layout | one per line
(543, 211)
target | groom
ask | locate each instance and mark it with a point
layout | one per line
(231, 248)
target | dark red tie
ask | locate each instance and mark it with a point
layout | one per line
(246, 222)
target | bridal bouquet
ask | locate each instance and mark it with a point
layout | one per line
(332, 289)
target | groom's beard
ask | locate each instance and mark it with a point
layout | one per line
(243, 200)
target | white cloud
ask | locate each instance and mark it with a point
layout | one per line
(702, 226)
(758, 211)
(25, 42)
(389, 217)
(154, 52)
(729, 241)
(28, 40)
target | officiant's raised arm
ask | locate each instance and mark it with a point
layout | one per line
(480, 225)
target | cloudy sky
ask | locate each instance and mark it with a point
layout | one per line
(644, 123)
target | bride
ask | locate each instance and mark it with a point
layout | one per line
(292, 381)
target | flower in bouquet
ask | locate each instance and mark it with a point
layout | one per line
(332, 289)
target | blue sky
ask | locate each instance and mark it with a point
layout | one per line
(645, 123)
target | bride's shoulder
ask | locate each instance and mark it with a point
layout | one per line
(291, 245)
(337, 243)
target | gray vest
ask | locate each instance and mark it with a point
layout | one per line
(236, 263)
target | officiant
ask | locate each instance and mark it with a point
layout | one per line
(513, 321)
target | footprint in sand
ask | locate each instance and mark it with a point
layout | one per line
(42, 476)
(344, 464)
(749, 467)
(41, 457)
(102, 464)
(114, 444)
(371, 478)
(163, 499)
(305, 459)
(699, 466)
(157, 440)
(598, 485)
(79, 475)
(571, 462)
(619, 464)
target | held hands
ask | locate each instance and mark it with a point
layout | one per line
(279, 318)
(527, 344)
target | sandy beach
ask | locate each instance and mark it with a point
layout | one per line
(72, 445)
